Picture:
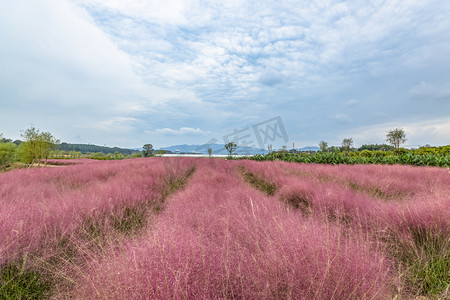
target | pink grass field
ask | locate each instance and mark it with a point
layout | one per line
(199, 228)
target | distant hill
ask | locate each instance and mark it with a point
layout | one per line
(308, 148)
(83, 148)
(216, 149)
(200, 149)
(220, 149)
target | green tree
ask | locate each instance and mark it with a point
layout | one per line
(323, 146)
(160, 152)
(7, 154)
(136, 155)
(75, 154)
(116, 155)
(36, 146)
(209, 152)
(148, 150)
(25, 153)
(334, 149)
(347, 144)
(396, 137)
(374, 147)
(231, 147)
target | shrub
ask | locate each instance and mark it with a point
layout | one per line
(7, 154)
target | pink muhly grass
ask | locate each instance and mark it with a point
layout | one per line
(395, 182)
(42, 205)
(326, 232)
(423, 185)
(219, 238)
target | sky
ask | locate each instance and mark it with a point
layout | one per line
(169, 72)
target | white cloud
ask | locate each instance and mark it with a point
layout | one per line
(424, 89)
(139, 65)
(170, 12)
(114, 125)
(418, 132)
(351, 102)
(181, 131)
(340, 118)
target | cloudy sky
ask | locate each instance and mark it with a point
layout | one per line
(166, 72)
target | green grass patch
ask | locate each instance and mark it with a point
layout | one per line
(431, 276)
(17, 283)
(132, 220)
(298, 202)
(258, 182)
(175, 183)
(427, 262)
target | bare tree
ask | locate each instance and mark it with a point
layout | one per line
(396, 137)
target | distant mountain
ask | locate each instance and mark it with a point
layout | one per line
(220, 149)
(216, 149)
(200, 149)
(309, 148)
(83, 148)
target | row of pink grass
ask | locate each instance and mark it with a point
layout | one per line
(222, 239)
(424, 193)
(40, 206)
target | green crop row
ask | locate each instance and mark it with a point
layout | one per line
(362, 157)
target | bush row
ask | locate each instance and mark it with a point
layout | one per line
(363, 157)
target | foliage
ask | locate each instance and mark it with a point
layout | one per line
(365, 153)
(7, 154)
(116, 155)
(136, 155)
(231, 147)
(323, 146)
(85, 148)
(396, 137)
(148, 150)
(442, 150)
(334, 149)
(60, 154)
(376, 147)
(36, 146)
(363, 157)
(160, 152)
(347, 144)
(24, 153)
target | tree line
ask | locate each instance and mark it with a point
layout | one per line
(394, 137)
(40, 145)
(35, 147)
